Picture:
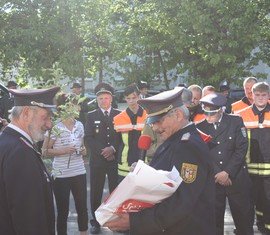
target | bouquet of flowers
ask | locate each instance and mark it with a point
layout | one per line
(140, 189)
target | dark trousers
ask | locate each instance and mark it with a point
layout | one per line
(240, 202)
(97, 181)
(62, 188)
(261, 194)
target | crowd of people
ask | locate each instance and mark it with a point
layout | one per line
(232, 165)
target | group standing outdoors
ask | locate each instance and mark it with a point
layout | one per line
(232, 166)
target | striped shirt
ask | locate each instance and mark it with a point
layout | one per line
(68, 165)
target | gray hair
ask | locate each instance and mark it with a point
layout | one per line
(16, 111)
(249, 80)
(184, 110)
(196, 88)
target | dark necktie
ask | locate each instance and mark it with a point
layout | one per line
(106, 115)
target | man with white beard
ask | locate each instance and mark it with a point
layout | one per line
(26, 199)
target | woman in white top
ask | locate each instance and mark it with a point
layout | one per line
(65, 143)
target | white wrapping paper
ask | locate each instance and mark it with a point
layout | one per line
(142, 188)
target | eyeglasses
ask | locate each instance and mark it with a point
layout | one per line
(161, 120)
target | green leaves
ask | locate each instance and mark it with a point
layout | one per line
(212, 39)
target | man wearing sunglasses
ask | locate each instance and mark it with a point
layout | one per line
(228, 148)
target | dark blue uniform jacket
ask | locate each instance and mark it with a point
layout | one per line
(190, 210)
(26, 199)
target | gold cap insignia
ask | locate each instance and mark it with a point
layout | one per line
(189, 172)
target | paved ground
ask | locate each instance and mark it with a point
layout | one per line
(72, 220)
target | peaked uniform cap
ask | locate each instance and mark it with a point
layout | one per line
(215, 100)
(43, 98)
(159, 105)
(104, 88)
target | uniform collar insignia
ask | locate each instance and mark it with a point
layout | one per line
(186, 136)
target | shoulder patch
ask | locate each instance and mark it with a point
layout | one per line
(186, 136)
(189, 172)
(244, 132)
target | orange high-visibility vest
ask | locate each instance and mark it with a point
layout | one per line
(238, 106)
(198, 118)
(256, 165)
(252, 121)
(122, 122)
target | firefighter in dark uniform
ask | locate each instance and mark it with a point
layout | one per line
(190, 210)
(26, 199)
(228, 149)
(102, 141)
(257, 120)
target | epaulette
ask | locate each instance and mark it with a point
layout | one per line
(92, 111)
(185, 137)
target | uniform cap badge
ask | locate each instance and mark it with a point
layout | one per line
(189, 172)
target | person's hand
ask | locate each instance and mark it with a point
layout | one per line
(120, 224)
(107, 152)
(83, 151)
(228, 182)
(4, 122)
(132, 167)
(222, 178)
(69, 150)
(110, 158)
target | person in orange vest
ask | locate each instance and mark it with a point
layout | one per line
(129, 123)
(247, 100)
(196, 113)
(257, 120)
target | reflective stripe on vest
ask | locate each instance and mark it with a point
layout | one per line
(259, 213)
(267, 226)
(123, 168)
(248, 151)
(261, 169)
(129, 127)
(238, 106)
(122, 122)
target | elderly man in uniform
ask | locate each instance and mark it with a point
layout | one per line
(26, 200)
(190, 210)
(102, 141)
(228, 148)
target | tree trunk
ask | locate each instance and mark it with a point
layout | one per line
(164, 70)
(100, 75)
